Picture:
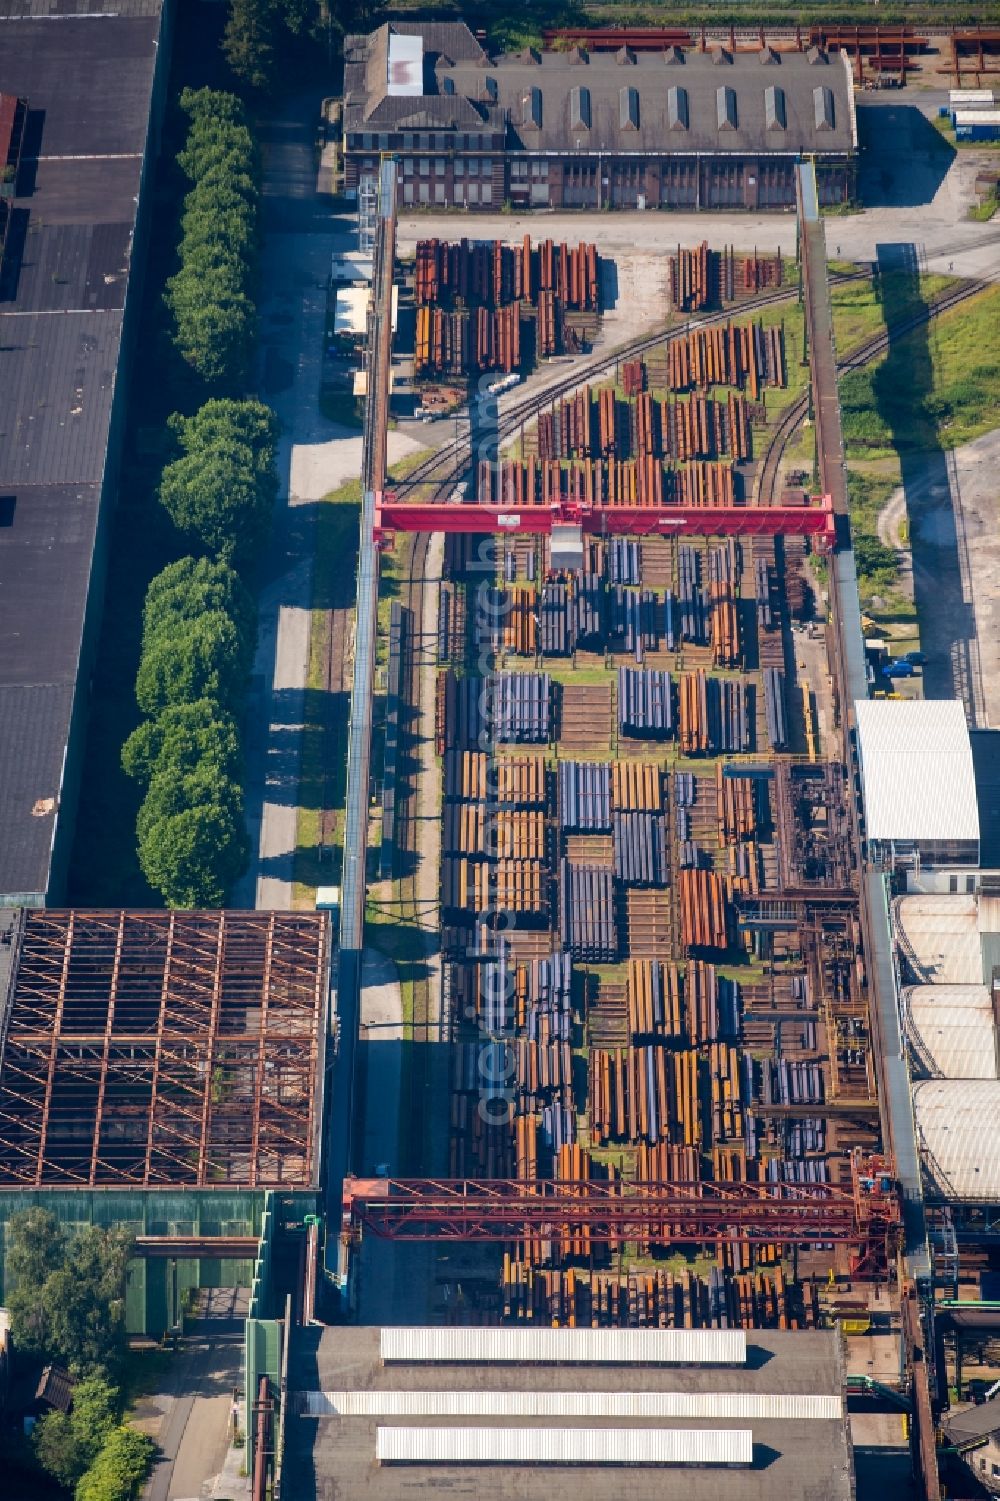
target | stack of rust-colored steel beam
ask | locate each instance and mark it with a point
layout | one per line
(726, 1298)
(704, 910)
(633, 377)
(636, 786)
(745, 869)
(514, 886)
(744, 355)
(645, 1093)
(701, 1002)
(702, 428)
(571, 273)
(736, 800)
(706, 482)
(466, 775)
(520, 620)
(653, 992)
(726, 1106)
(520, 835)
(464, 829)
(701, 278)
(546, 324)
(693, 715)
(520, 781)
(760, 272)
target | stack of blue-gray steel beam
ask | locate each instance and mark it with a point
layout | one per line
(584, 797)
(587, 923)
(774, 707)
(634, 617)
(645, 704)
(685, 791)
(550, 995)
(640, 845)
(624, 561)
(729, 727)
(520, 707)
(789, 1082)
(762, 594)
(670, 617)
(555, 637)
(694, 619)
(588, 612)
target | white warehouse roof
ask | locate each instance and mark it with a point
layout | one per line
(958, 1127)
(916, 770)
(511, 1345)
(565, 1446)
(940, 936)
(952, 1030)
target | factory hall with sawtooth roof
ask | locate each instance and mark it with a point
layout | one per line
(681, 128)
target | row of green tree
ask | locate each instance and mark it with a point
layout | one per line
(198, 636)
(211, 296)
(261, 36)
(66, 1300)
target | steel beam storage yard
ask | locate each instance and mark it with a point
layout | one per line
(565, 1446)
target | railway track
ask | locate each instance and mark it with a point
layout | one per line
(766, 488)
(456, 449)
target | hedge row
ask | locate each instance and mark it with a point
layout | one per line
(198, 637)
(211, 296)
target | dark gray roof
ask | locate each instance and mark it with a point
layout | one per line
(777, 103)
(976, 1422)
(88, 82)
(652, 76)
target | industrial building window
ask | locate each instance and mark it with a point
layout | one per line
(774, 108)
(473, 193)
(531, 108)
(425, 166)
(460, 166)
(407, 192)
(628, 109)
(677, 108)
(449, 85)
(579, 108)
(540, 170)
(439, 192)
(425, 192)
(487, 192)
(458, 192)
(407, 140)
(473, 166)
(408, 166)
(725, 105)
(518, 169)
(823, 107)
(439, 166)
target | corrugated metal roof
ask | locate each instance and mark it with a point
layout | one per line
(951, 1029)
(976, 117)
(482, 1346)
(916, 767)
(958, 1127)
(562, 1446)
(940, 938)
(579, 1404)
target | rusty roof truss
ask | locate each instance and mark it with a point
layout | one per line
(164, 1049)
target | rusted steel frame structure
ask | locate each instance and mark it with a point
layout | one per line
(164, 1049)
(697, 1213)
(975, 45)
(815, 520)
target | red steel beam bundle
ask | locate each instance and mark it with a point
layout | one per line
(633, 377)
(760, 272)
(704, 910)
(706, 483)
(469, 1209)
